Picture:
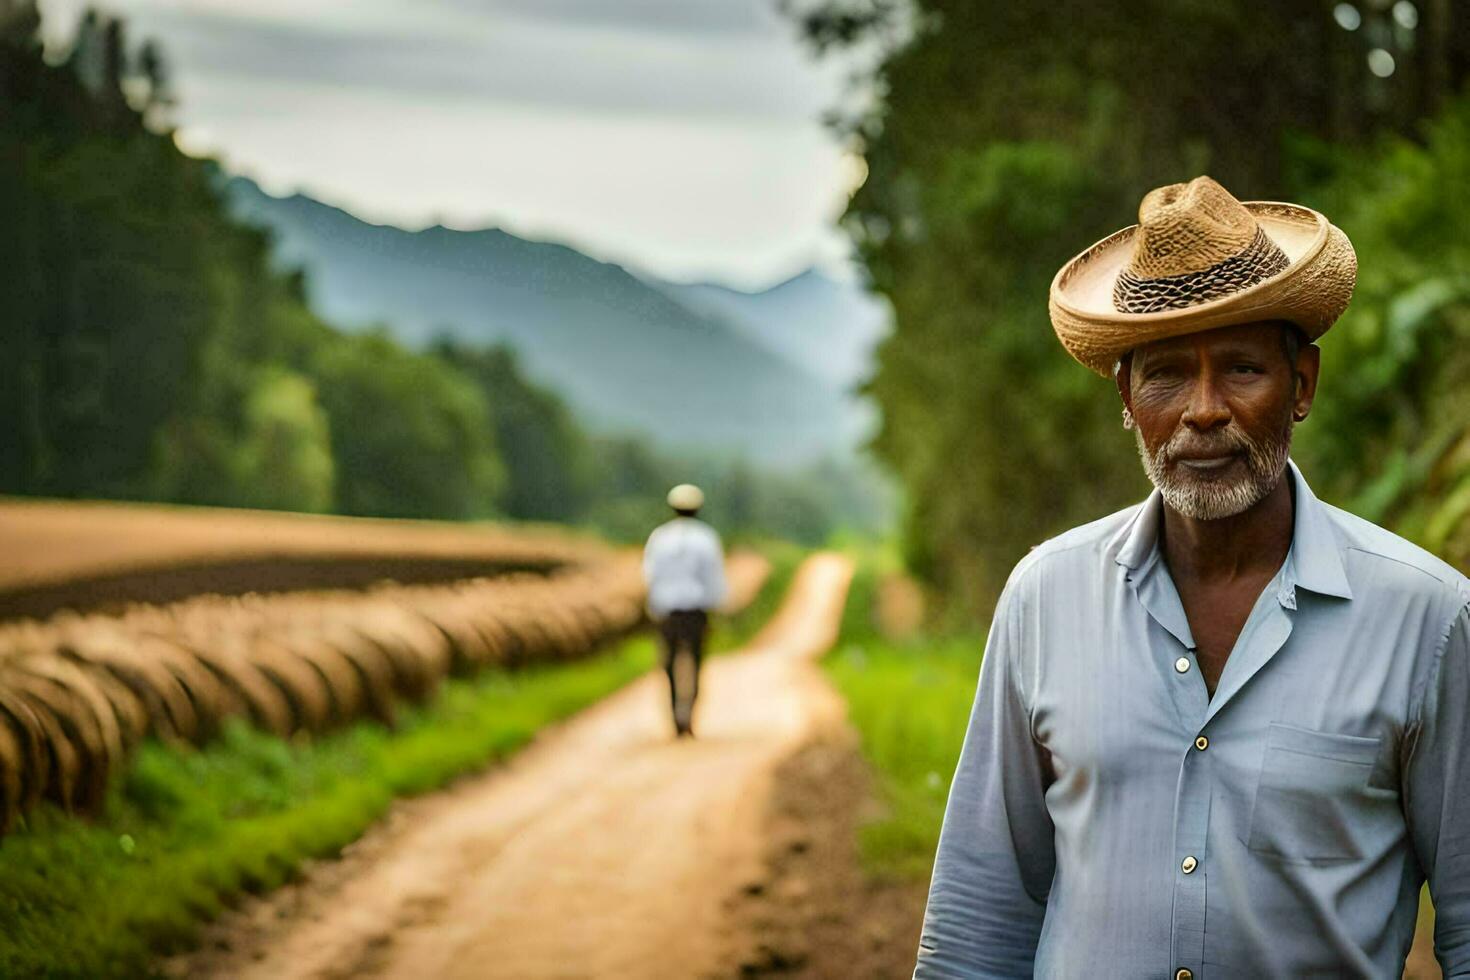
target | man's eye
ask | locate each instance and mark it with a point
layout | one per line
(1246, 369)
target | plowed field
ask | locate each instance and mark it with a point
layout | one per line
(83, 555)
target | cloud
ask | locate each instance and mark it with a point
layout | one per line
(710, 18)
(529, 63)
(677, 135)
(683, 197)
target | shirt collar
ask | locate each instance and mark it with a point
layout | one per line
(1314, 560)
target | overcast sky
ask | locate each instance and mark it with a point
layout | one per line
(677, 136)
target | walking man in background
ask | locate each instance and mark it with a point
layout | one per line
(1225, 732)
(684, 569)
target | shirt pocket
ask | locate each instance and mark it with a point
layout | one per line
(1313, 795)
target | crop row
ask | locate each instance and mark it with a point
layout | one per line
(78, 692)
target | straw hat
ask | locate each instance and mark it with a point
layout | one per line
(686, 496)
(1199, 259)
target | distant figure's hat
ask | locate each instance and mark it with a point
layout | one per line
(686, 496)
(1196, 260)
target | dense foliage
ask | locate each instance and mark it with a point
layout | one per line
(1003, 138)
(153, 349)
(1390, 436)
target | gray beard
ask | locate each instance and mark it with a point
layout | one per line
(1206, 498)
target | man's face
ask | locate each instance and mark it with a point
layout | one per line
(1214, 413)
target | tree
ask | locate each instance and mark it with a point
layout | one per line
(285, 460)
(1006, 137)
(548, 460)
(409, 433)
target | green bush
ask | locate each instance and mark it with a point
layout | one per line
(1389, 436)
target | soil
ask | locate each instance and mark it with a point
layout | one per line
(814, 913)
(88, 555)
(97, 556)
(608, 848)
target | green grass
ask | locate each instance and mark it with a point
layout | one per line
(184, 831)
(910, 704)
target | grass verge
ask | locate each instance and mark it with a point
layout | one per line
(910, 703)
(184, 831)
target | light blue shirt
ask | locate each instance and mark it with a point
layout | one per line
(683, 567)
(1109, 818)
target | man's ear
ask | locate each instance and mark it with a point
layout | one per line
(1308, 367)
(1123, 379)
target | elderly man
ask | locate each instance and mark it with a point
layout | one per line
(684, 569)
(1225, 732)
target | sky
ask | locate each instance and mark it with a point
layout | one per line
(679, 137)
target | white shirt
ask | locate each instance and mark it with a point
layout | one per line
(683, 567)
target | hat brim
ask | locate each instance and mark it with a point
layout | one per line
(1311, 292)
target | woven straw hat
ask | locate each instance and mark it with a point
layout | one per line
(686, 496)
(1196, 260)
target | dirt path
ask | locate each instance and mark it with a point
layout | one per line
(606, 849)
(818, 916)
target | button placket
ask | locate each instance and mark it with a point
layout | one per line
(1170, 636)
(1191, 831)
(1188, 940)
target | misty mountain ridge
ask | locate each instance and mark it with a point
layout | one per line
(700, 366)
(826, 327)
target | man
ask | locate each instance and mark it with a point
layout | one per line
(1226, 732)
(684, 569)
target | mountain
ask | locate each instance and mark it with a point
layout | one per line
(823, 326)
(627, 355)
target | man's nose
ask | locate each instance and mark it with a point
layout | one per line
(1206, 409)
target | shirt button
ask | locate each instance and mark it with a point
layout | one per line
(1184, 975)
(1189, 865)
(1182, 665)
(1201, 743)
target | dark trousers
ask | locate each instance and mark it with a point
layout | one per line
(683, 632)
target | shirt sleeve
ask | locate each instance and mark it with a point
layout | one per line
(1438, 796)
(650, 558)
(714, 573)
(994, 866)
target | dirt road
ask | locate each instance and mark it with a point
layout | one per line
(606, 849)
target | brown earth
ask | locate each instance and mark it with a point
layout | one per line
(606, 849)
(814, 914)
(89, 554)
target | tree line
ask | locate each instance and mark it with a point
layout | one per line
(1003, 138)
(153, 350)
